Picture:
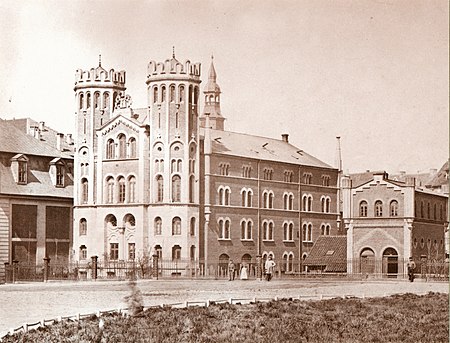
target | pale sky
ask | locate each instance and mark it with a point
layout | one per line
(374, 72)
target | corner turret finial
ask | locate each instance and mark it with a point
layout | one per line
(100, 60)
(212, 57)
(173, 51)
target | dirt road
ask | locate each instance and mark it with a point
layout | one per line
(32, 302)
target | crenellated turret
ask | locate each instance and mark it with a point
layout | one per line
(212, 101)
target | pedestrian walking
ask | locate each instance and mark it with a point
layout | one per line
(231, 269)
(268, 268)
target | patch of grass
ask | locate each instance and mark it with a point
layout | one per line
(399, 318)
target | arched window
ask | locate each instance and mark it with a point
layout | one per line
(160, 188)
(192, 227)
(307, 232)
(158, 226)
(327, 205)
(221, 195)
(304, 202)
(285, 201)
(163, 93)
(224, 228)
(83, 227)
(122, 146)
(176, 188)
(106, 100)
(270, 205)
(83, 252)
(363, 208)
(132, 147)
(227, 233)
(249, 229)
(227, 197)
(394, 208)
(310, 203)
(181, 93)
(246, 229)
(110, 149)
(96, 99)
(265, 199)
(378, 208)
(155, 95)
(110, 190)
(191, 188)
(176, 226)
(176, 252)
(88, 100)
(84, 191)
(129, 220)
(249, 198)
(122, 189)
(81, 100)
(172, 93)
(131, 189)
(243, 229)
(288, 231)
(291, 202)
(265, 230)
(270, 232)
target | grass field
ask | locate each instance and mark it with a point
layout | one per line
(398, 318)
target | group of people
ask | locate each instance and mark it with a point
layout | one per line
(269, 266)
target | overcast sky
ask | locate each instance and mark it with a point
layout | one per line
(375, 72)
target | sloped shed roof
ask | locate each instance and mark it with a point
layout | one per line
(330, 252)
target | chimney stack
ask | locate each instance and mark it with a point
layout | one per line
(285, 137)
(59, 138)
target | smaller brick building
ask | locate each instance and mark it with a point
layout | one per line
(388, 221)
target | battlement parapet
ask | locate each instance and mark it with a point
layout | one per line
(99, 74)
(171, 68)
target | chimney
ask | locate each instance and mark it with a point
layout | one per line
(69, 139)
(285, 137)
(338, 154)
(59, 138)
(42, 125)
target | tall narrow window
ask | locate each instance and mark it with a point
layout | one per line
(83, 227)
(176, 226)
(122, 146)
(114, 251)
(172, 93)
(131, 189)
(176, 188)
(81, 99)
(106, 100)
(131, 251)
(378, 208)
(110, 149)
(22, 172)
(155, 95)
(394, 208)
(363, 209)
(132, 147)
(96, 99)
(83, 252)
(158, 226)
(192, 227)
(88, 100)
(59, 175)
(84, 191)
(160, 187)
(176, 252)
(181, 93)
(110, 190)
(122, 188)
(163, 93)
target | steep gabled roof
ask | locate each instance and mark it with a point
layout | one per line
(329, 252)
(13, 140)
(263, 148)
(440, 179)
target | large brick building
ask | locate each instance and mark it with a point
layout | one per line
(168, 179)
(36, 186)
(389, 221)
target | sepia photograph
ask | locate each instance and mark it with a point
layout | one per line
(224, 171)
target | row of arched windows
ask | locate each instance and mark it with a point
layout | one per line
(85, 100)
(128, 221)
(430, 214)
(176, 226)
(378, 208)
(164, 94)
(288, 201)
(176, 188)
(121, 147)
(120, 190)
(224, 229)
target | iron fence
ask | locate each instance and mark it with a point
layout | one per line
(218, 269)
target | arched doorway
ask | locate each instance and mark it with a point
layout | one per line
(390, 263)
(367, 261)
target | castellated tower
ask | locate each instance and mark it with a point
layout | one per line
(173, 94)
(96, 91)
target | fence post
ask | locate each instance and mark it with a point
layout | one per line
(155, 265)
(46, 268)
(258, 268)
(15, 263)
(94, 267)
(7, 272)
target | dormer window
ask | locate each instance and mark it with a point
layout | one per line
(22, 172)
(59, 176)
(19, 168)
(57, 172)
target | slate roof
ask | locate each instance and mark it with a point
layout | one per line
(440, 178)
(330, 252)
(14, 140)
(257, 147)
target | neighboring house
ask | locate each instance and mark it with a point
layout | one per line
(328, 255)
(36, 197)
(170, 181)
(389, 221)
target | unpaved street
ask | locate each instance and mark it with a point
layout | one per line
(31, 302)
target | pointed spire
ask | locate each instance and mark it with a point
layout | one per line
(100, 60)
(212, 70)
(173, 51)
(338, 154)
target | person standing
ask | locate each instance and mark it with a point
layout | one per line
(231, 269)
(411, 266)
(244, 272)
(269, 267)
